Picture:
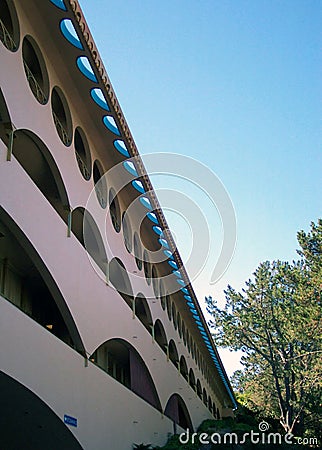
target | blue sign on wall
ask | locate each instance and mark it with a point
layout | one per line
(69, 420)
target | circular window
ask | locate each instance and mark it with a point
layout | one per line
(147, 267)
(61, 115)
(192, 349)
(155, 282)
(127, 232)
(184, 333)
(188, 340)
(100, 183)
(179, 324)
(174, 316)
(115, 211)
(82, 153)
(35, 69)
(137, 251)
(162, 297)
(168, 303)
(9, 25)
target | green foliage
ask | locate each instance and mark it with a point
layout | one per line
(277, 322)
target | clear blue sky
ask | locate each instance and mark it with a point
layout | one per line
(235, 84)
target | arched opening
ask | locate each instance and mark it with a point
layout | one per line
(29, 421)
(120, 280)
(137, 251)
(27, 283)
(204, 396)
(162, 296)
(121, 360)
(192, 379)
(88, 234)
(177, 410)
(184, 333)
(160, 336)
(127, 232)
(35, 69)
(209, 403)
(197, 357)
(218, 414)
(143, 312)
(199, 390)
(183, 367)
(155, 282)
(82, 153)
(147, 267)
(173, 353)
(168, 303)
(188, 340)
(174, 315)
(61, 115)
(38, 162)
(9, 25)
(192, 347)
(115, 211)
(100, 183)
(179, 324)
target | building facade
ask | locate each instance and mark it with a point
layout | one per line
(103, 342)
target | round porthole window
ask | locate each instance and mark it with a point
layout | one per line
(137, 251)
(61, 115)
(82, 153)
(127, 232)
(9, 25)
(100, 183)
(35, 69)
(115, 211)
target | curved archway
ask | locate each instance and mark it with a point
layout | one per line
(159, 335)
(82, 153)
(61, 116)
(199, 390)
(120, 279)
(85, 229)
(174, 315)
(209, 403)
(192, 379)
(115, 210)
(147, 267)
(27, 283)
(173, 353)
(38, 162)
(142, 311)
(177, 410)
(214, 410)
(123, 362)
(29, 420)
(183, 367)
(10, 29)
(35, 69)
(205, 396)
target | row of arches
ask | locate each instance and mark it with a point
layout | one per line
(38, 162)
(26, 282)
(120, 360)
(54, 190)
